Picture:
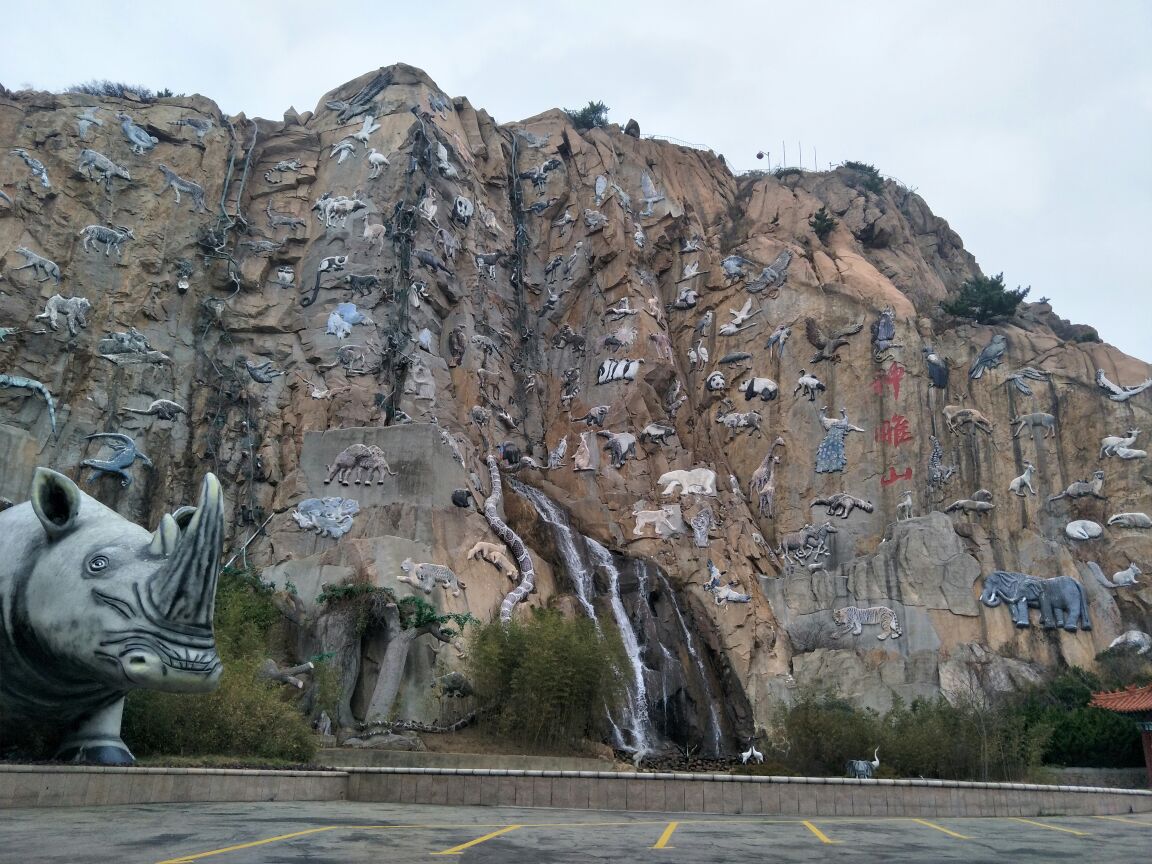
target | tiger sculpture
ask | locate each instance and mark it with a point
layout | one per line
(851, 619)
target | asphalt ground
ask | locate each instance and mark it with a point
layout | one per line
(345, 833)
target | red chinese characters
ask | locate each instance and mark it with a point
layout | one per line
(893, 477)
(894, 431)
(891, 378)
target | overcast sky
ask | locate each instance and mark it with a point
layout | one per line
(1027, 125)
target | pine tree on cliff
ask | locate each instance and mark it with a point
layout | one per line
(822, 222)
(985, 300)
(591, 116)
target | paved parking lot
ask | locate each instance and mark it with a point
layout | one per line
(340, 833)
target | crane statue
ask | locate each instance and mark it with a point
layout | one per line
(751, 753)
(862, 769)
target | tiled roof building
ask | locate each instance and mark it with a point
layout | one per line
(1135, 702)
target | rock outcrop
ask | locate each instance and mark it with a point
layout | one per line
(507, 281)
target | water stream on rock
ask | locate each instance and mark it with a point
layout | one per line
(566, 540)
(568, 544)
(638, 691)
(665, 683)
(690, 643)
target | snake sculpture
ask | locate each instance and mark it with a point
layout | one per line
(492, 513)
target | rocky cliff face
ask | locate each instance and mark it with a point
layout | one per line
(620, 307)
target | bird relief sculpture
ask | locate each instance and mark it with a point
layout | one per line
(884, 335)
(828, 344)
(1118, 393)
(739, 317)
(830, 456)
(990, 357)
(772, 276)
(86, 119)
(938, 368)
(140, 140)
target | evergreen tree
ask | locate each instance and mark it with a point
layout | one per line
(985, 300)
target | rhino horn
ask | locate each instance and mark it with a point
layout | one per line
(183, 592)
(165, 537)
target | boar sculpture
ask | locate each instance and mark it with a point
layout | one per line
(92, 606)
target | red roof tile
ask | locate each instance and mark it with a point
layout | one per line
(1133, 700)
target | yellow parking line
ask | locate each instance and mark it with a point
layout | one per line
(941, 829)
(1127, 821)
(819, 834)
(662, 843)
(456, 850)
(183, 859)
(1050, 827)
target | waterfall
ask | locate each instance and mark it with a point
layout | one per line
(664, 698)
(569, 545)
(713, 715)
(638, 692)
(566, 543)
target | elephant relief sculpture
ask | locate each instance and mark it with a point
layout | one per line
(92, 606)
(361, 462)
(1061, 599)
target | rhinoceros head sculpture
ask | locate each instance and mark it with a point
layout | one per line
(92, 606)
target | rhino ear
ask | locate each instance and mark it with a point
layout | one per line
(183, 515)
(56, 501)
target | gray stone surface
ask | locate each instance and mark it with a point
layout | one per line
(426, 470)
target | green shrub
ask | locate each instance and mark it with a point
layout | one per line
(985, 300)
(869, 176)
(822, 222)
(245, 715)
(825, 731)
(370, 601)
(784, 172)
(546, 681)
(591, 116)
(1082, 736)
(928, 738)
(115, 90)
(967, 741)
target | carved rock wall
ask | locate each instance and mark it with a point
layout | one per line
(491, 318)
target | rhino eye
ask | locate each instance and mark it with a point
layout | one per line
(97, 564)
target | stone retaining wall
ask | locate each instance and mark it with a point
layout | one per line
(733, 794)
(89, 786)
(58, 786)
